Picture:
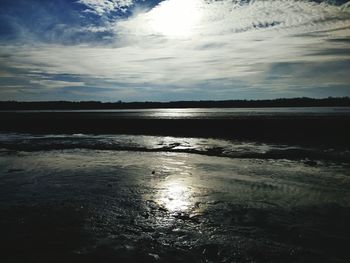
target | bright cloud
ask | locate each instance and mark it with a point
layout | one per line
(229, 17)
(200, 49)
(101, 7)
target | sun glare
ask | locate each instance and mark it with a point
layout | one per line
(175, 18)
(175, 196)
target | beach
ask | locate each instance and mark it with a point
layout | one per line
(175, 131)
(133, 190)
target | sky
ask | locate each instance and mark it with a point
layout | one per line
(139, 50)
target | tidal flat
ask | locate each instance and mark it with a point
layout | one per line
(175, 185)
(90, 205)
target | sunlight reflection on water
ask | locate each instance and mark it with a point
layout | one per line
(175, 195)
(175, 189)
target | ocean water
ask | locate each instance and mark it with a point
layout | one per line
(207, 113)
(83, 197)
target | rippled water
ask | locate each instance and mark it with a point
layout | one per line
(204, 146)
(170, 199)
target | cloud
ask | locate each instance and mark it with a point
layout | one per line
(217, 50)
(50, 84)
(101, 7)
(230, 17)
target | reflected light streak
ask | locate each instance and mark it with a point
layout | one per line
(175, 196)
(175, 191)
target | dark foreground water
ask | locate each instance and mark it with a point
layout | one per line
(83, 197)
(167, 199)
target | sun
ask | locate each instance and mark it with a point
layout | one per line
(175, 18)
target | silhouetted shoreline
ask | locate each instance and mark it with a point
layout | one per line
(84, 105)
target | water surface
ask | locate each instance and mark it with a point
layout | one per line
(209, 112)
(241, 185)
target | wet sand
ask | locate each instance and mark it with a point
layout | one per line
(81, 205)
(115, 187)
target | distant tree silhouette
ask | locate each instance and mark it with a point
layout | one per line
(95, 105)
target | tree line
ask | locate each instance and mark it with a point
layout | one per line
(96, 105)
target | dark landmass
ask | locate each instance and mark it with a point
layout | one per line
(94, 105)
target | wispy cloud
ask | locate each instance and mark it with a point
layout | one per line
(217, 50)
(100, 7)
(48, 83)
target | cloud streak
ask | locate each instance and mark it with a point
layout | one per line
(101, 7)
(217, 50)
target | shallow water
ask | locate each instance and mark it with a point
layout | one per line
(205, 146)
(164, 205)
(207, 113)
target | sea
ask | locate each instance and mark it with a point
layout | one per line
(133, 197)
